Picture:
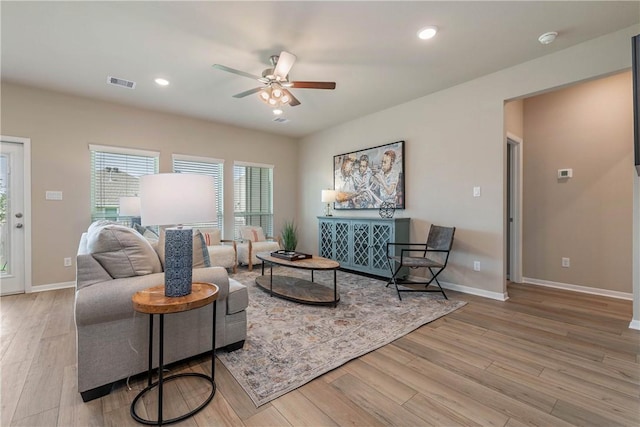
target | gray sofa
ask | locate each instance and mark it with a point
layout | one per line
(112, 338)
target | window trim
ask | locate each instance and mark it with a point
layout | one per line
(123, 150)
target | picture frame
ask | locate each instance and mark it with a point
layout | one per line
(366, 178)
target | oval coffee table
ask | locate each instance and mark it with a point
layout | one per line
(295, 288)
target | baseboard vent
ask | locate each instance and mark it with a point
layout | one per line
(121, 82)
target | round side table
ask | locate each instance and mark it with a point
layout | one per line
(153, 301)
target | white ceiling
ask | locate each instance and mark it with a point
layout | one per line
(369, 49)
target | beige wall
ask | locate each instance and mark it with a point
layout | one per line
(61, 127)
(455, 141)
(587, 218)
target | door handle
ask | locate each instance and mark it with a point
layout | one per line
(18, 225)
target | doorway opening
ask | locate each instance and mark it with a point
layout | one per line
(513, 226)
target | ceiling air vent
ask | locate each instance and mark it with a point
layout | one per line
(281, 120)
(121, 82)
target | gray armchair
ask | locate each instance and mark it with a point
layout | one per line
(432, 255)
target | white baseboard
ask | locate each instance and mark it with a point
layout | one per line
(53, 286)
(578, 288)
(500, 296)
(635, 324)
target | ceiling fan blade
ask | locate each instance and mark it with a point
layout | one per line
(247, 92)
(314, 85)
(294, 101)
(285, 62)
(238, 72)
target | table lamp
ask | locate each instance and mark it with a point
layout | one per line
(328, 197)
(130, 206)
(175, 199)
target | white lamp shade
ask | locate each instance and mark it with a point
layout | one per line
(328, 196)
(177, 198)
(129, 206)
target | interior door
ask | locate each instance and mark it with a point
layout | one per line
(12, 218)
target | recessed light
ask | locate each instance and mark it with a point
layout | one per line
(162, 82)
(547, 38)
(427, 32)
(277, 111)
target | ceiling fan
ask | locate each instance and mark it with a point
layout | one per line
(275, 91)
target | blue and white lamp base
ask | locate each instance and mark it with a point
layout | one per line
(178, 262)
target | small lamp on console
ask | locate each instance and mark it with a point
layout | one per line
(328, 197)
(130, 206)
(175, 198)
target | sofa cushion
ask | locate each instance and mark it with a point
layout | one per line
(222, 256)
(255, 234)
(200, 252)
(122, 251)
(238, 299)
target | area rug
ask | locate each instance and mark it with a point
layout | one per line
(288, 344)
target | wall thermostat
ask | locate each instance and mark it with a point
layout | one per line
(565, 173)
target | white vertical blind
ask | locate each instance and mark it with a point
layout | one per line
(205, 166)
(253, 197)
(115, 172)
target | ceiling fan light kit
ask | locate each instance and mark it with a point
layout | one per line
(275, 93)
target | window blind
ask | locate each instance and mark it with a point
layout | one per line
(205, 166)
(116, 172)
(253, 197)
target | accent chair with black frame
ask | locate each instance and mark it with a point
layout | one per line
(432, 255)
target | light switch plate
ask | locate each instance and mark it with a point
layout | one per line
(53, 195)
(476, 191)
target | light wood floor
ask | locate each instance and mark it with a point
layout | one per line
(545, 357)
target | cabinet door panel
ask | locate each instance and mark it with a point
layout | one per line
(342, 242)
(326, 239)
(361, 244)
(381, 233)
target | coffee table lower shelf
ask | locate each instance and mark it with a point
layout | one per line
(298, 290)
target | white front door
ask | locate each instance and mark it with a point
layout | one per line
(13, 218)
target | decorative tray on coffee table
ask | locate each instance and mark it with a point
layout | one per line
(290, 255)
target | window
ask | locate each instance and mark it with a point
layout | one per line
(253, 196)
(205, 166)
(116, 172)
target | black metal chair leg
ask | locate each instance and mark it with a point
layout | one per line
(436, 280)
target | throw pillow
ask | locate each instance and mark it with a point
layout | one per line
(148, 233)
(255, 234)
(200, 252)
(122, 251)
(212, 236)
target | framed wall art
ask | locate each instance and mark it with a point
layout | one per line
(365, 179)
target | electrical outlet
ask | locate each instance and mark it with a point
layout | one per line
(476, 192)
(476, 265)
(566, 262)
(67, 262)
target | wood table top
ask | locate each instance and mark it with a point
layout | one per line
(313, 263)
(153, 301)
